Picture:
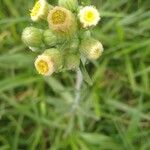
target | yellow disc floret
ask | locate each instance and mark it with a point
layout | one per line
(42, 67)
(58, 17)
(89, 16)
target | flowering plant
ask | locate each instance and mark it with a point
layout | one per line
(67, 41)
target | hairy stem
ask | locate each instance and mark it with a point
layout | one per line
(79, 80)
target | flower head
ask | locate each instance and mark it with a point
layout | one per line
(64, 41)
(61, 20)
(44, 65)
(40, 10)
(91, 48)
(89, 16)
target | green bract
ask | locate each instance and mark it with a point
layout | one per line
(50, 38)
(56, 57)
(72, 61)
(69, 4)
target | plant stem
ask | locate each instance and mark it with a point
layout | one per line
(79, 81)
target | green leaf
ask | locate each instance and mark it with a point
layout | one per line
(85, 74)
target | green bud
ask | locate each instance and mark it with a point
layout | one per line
(49, 38)
(72, 61)
(90, 48)
(56, 57)
(32, 37)
(74, 44)
(69, 4)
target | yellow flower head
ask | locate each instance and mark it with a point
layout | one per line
(39, 10)
(89, 16)
(61, 20)
(44, 65)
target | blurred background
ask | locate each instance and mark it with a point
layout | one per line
(113, 114)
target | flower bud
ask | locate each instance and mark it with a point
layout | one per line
(62, 21)
(74, 44)
(49, 38)
(72, 61)
(69, 4)
(40, 10)
(90, 48)
(32, 37)
(56, 57)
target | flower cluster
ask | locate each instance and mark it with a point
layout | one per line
(67, 38)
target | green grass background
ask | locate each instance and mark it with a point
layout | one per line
(113, 114)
